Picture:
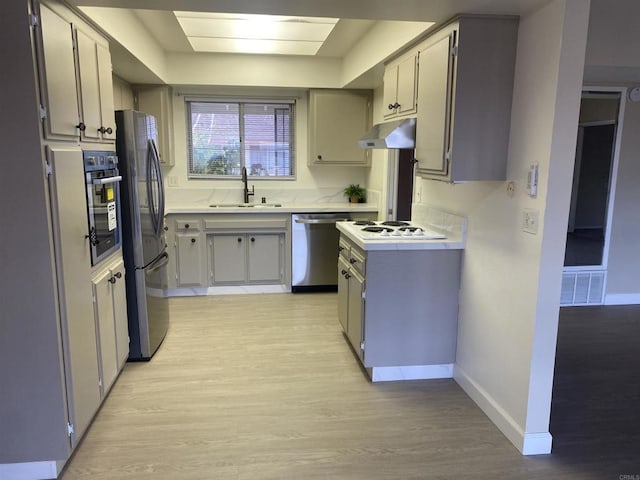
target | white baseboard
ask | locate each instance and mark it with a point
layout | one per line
(31, 470)
(227, 290)
(622, 299)
(537, 443)
(410, 372)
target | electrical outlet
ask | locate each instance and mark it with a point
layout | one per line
(530, 221)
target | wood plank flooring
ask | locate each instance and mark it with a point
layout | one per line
(266, 387)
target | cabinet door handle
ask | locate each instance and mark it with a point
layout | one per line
(253, 239)
(319, 157)
(391, 106)
(239, 239)
(81, 126)
(186, 225)
(352, 261)
(107, 130)
(344, 272)
(118, 275)
(193, 240)
(397, 105)
(347, 276)
(112, 280)
(340, 249)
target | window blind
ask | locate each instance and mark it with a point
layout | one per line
(225, 136)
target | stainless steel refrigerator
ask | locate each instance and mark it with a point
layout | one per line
(144, 245)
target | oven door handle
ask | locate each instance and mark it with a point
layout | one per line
(104, 181)
(318, 220)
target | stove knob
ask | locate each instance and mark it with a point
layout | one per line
(418, 231)
(384, 233)
(396, 233)
(407, 233)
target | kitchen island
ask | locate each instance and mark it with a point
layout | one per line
(398, 296)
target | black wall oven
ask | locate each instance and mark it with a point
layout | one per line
(103, 203)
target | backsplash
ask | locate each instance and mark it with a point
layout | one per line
(181, 196)
(439, 220)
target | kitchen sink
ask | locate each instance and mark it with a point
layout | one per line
(245, 205)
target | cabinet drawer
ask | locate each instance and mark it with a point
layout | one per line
(357, 261)
(187, 225)
(344, 249)
(241, 223)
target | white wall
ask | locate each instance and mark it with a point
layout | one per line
(510, 286)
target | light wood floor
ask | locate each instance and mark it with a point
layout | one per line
(265, 387)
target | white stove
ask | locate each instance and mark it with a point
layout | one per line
(391, 231)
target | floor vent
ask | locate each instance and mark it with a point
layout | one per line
(582, 288)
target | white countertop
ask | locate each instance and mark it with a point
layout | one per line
(200, 208)
(454, 241)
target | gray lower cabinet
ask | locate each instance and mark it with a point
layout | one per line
(213, 250)
(254, 258)
(228, 259)
(399, 307)
(351, 287)
(188, 259)
(343, 293)
(265, 258)
(109, 297)
(68, 205)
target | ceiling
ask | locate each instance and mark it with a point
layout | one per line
(357, 17)
(164, 27)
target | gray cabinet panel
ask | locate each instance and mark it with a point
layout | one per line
(337, 120)
(264, 253)
(343, 294)
(432, 141)
(89, 86)
(120, 314)
(103, 297)
(356, 312)
(229, 259)
(76, 305)
(59, 76)
(188, 258)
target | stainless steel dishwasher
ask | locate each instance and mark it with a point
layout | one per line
(314, 251)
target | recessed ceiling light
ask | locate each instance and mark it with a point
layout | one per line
(231, 33)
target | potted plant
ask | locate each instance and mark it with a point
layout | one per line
(355, 193)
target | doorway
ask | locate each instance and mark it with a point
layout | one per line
(400, 183)
(591, 209)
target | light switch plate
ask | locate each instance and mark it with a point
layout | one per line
(530, 221)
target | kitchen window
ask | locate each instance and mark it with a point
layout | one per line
(224, 136)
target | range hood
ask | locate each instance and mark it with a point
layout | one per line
(396, 134)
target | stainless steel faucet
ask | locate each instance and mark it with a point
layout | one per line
(245, 182)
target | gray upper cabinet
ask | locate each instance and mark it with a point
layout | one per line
(337, 120)
(400, 87)
(59, 82)
(465, 89)
(157, 101)
(75, 66)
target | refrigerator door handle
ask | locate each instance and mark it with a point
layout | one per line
(156, 264)
(153, 167)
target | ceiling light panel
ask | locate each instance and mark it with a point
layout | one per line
(214, 32)
(245, 45)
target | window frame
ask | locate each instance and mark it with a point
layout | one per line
(241, 101)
